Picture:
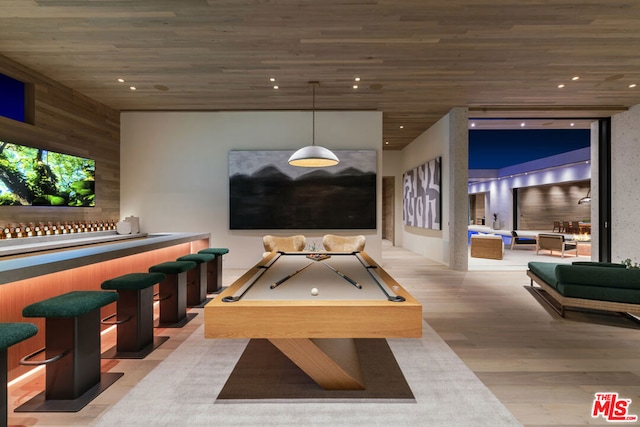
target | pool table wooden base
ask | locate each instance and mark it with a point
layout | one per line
(332, 363)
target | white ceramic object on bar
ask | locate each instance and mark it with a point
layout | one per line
(135, 223)
(123, 227)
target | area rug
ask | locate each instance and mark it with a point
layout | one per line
(264, 372)
(184, 388)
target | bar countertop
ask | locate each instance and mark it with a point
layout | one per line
(25, 266)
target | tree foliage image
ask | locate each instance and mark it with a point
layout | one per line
(33, 176)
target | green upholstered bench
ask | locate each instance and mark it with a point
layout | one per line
(197, 278)
(587, 285)
(10, 334)
(173, 293)
(214, 269)
(72, 351)
(134, 317)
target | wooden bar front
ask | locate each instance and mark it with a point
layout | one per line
(15, 295)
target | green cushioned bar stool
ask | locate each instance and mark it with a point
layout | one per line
(214, 269)
(10, 334)
(197, 278)
(173, 293)
(72, 351)
(134, 317)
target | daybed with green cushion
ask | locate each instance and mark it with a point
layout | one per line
(591, 285)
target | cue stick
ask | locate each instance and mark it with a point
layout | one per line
(262, 268)
(284, 279)
(395, 298)
(345, 277)
(305, 253)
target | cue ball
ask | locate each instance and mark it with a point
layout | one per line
(314, 291)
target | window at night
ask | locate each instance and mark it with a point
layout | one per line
(12, 98)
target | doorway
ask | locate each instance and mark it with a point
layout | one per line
(388, 196)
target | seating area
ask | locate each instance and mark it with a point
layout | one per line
(487, 246)
(330, 242)
(572, 227)
(588, 285)
(72, 351)
(517, 241)
(334, 243)
(73, 325)
(557, 243)
(295, 243)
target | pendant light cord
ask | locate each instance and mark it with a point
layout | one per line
(313, 116)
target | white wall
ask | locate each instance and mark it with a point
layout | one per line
(625, 185)
(447, 139)
(174, 168)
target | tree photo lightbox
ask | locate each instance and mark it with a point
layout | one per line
(37, 177)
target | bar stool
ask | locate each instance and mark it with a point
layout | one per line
(214, 269)
(10, 334)
(197, 279)
(72, 349)
(134, 317)
(173, 293)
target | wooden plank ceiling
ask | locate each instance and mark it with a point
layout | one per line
(416, 59)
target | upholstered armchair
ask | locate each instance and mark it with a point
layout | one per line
(286, 244)
(333, 243)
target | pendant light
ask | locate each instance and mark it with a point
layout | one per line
(586, 199)
(313, 156)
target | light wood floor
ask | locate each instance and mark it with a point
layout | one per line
(545, 369)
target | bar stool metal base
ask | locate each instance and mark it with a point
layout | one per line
(38, 403)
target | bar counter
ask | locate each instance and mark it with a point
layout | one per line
(24, 259)
(36, 270)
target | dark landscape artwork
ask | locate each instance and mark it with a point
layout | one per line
(267, 193)
(421, 195)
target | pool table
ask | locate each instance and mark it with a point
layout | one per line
(311, 306)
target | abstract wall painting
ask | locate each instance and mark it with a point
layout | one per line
(265, 192)
(421, 195)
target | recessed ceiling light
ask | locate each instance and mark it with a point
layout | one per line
(121, 80)
(276, 87)
(401, 127)
(272, 79)
(473, 125)
(576, 78)
(632, 85)
(386, 143)
(357, 79)
(132, 87)
(355, 86)
(572, 124)
(522, 124)
(560, 86)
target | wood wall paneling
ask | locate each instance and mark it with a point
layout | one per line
(477, 208)
(540, 206)
(68, 122)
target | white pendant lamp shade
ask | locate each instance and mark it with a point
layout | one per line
(586, 199)
(313, 156)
